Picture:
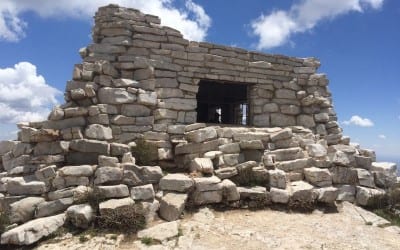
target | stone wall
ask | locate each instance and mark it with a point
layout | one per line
(139, 80)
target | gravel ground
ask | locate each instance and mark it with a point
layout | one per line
(348, 228)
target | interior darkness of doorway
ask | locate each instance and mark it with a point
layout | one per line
(222, 102)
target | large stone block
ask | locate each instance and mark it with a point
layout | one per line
(172, 206)
(33, 231)
(98, 132)
(24, 210)
(108, 95)
(318, 177)
(117, 191)
(80, 215)
(90, 146)
(201, 135)
(176, 182)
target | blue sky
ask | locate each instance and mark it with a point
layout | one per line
(357, 42)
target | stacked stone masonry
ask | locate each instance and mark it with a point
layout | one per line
(139, 80)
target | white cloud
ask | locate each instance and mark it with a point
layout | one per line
(276, 28)
(383, 137)
(191, 19)
(359, 121)
(24, 95)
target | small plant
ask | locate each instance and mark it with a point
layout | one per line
(147, 241)
(83, 238)
(4, 221)
(145, 153)
(124, 219)
(114, 237)
(180, 232)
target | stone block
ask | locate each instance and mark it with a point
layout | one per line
(172, 206)
(176, 182)
(145, 192)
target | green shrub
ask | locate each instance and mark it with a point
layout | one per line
(4, 221)
(83, 238)
(145, 153)
(124, 219)
(147, 241)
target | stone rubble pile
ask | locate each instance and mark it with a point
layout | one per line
(138, 82)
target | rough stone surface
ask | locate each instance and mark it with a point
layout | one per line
(33, 231)
(80, 215)
(172, 206)
(176, 182)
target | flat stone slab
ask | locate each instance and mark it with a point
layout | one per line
(33, 230)
(160, 232)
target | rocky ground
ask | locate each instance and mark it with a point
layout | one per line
(349, 227)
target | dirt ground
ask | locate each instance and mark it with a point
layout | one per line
(348, 228)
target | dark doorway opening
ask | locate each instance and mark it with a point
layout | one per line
(222, 102)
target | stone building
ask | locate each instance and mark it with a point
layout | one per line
(226, 125)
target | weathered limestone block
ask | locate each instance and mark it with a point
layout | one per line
(282, 135)
(287, 154)
(160, 232)
(25, 186)
(290, 109)
(50, 148)
(318, 177)
(364, 162)
(346, 193)
(226, 172)
(202, 165)
(277, 178)
(176, 182)
(107, 161)
(81, 215)
(82, 170)
(279, 195)
(24, 210)
(230, 191)
(285, 94)
(305, 121)
(108, 175)
(257, 193)
(201, 135)
(192, 148)
(282, 120)
(90, 146)
(145, 192)
(178, 104)
(327, 194)
(303, 192)
(252, 144)
(117, 191)
(53, 207)
(230, 148)
(42, 135)
(79, 121)
(233, 159)
(98, 132)
(385, 173)
(172, 206)
(316, 150)
(344, 175)
(207, 197)
(33, 231)
(60, 182)
(46, 173)
(203, 184)
(151, 174)
(364, 195)
(135, 110)
(248, 136)
(365, 178)
(262, 120)
(294, 165)
(108, 95)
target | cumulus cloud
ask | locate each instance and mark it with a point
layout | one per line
(276, 28)
(383, 137)
(359, 121)
(24, 95)
(191, 19)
